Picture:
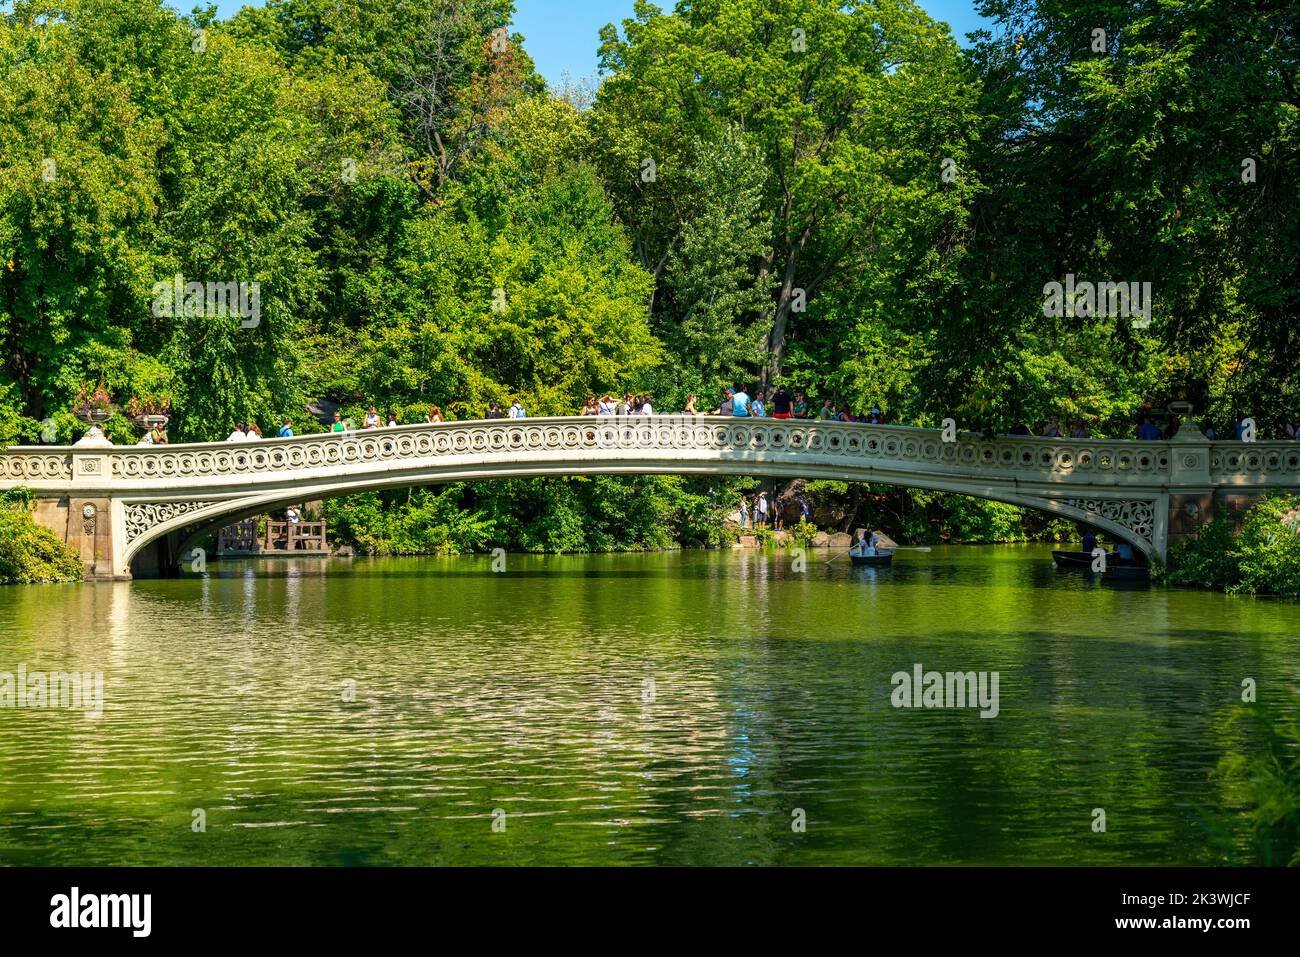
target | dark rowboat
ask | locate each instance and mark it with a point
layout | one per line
(882, 557)
(1116, 567)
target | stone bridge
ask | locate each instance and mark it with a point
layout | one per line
(138, 509)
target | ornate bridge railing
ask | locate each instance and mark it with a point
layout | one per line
(1091, 461)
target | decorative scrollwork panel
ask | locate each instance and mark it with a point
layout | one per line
(142, 517)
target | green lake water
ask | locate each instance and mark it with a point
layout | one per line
(680, 708)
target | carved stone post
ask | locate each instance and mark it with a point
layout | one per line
(1191, 491)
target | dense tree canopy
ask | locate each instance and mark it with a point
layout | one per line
(830, 194)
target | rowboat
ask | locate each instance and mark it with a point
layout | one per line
(882, 557)
(1116, 567)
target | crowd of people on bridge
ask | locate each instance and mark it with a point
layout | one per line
(736, 402)
(739, 402)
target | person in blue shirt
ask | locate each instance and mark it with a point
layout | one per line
(1148, 431)
(1089, 541)
(756, 408)
(740, 402)
(286, 430)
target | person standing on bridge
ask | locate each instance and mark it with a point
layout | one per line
(253, 431)
(517, 410)
(338, 425)
(286, 430)
(1148, 431)
(494, 411)
(435, 415)
(690, 405)
(238, 435)
(607, 405)
(590, 408)
(757, 408)
(828, 411)
(740, 402)
(781, 403)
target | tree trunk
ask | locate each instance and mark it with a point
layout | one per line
(781, 316)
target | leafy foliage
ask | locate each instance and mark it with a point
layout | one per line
(31, 553)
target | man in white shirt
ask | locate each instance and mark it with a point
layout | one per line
(517, 410)
(237, 435)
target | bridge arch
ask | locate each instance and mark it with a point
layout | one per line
(177, 535)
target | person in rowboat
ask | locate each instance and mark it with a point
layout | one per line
(864, 547)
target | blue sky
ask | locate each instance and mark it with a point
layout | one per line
(561, 35)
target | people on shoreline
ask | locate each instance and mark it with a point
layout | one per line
(760, 511)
